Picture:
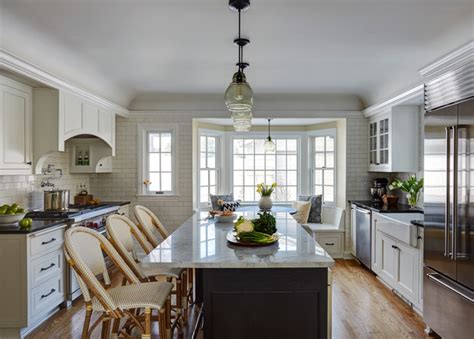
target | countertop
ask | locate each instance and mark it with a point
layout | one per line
(419, 223)
(119, 203)
(201, 243)
(38, 225)
(380, 208)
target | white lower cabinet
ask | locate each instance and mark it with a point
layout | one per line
(332, 242)
(398, 264)
(35, 284)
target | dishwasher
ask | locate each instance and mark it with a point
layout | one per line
(363, 236)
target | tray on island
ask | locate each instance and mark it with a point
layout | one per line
(232, 238)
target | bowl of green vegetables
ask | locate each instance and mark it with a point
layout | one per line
(261, 231)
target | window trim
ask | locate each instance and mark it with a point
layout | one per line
(219, 135)
(331, 132)
(143, 131)
(299, 136)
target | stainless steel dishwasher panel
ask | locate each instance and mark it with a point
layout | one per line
(363, 236)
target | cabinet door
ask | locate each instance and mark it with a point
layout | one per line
(383, 151)
(90, 118)
(373, 142)
(386, 257)
(16, 133)
(407, 271)
(72, 115)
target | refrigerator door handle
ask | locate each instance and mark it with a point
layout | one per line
(448, 191)
(436, 277)
(454, 247)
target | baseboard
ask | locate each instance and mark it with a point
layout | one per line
(348, 256)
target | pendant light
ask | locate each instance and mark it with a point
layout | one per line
(269, 144)
(239, 94)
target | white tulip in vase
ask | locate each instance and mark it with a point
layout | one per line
(265, 203)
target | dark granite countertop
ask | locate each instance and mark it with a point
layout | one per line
(419, 223)
(38, 225)
(119, 203)
(380, 208)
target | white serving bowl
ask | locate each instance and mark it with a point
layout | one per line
(225, 218)
(7, 219)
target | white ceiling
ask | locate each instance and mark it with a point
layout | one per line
(123, 48)
(274, 122)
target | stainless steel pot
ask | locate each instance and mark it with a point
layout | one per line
(57, 200)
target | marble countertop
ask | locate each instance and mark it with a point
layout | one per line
(201, 243)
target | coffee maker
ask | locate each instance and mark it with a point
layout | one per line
(378, 190)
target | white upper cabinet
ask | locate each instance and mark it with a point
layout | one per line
(15, 128)
(60, 116)
(394, 140)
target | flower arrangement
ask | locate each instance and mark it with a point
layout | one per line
(411, 186)
(266, 190)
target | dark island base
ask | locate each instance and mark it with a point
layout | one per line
(275, 303)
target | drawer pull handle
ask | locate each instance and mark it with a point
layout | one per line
(330, 244)
(47, 268)
(395, 247)
(48, 242)
(48, 294)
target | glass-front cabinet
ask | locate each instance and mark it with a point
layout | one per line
(393, 140)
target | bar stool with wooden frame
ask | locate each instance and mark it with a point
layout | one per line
(84, 250)
(121, 232)
(148, 222)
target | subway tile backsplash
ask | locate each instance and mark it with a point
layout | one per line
(26, 189)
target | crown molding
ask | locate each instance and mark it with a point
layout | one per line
(17, 65)
(302, 114)
(450, 61)
(401, 99)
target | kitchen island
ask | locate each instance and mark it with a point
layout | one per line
(276, 291)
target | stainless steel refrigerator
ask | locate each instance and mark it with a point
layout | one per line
(448, 283)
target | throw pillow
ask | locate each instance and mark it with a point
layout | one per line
(315, 215)
(302, 211)
(230, 205)
(215, 200)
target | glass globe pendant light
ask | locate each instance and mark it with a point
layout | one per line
(239, 94)
(269, 145)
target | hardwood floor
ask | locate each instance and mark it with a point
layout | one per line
(362, 308)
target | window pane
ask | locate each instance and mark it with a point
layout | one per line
(329, 194)
(204, 194)
(248, 162)
(249, 178)
(280, 193)
(238, 193)
(155, 182)
(318, 190)
(211, 160)
(329, 144)
(154, 142)
(270, 161)
(319, 160)
(203, 144)
(165, 142)
(202, 161)
(292, 162)
(260, 162)
(248, 146)
(270, 178)
(211, 144)
(166, 162)
(238, 146)
(238, 162)
(291, 178)
(259, 177)
(259, 146)
(281, 178)
(154, 162)
(281, 161)
(319, 144)
(291, 145)
(212, 190)
(249, 194)
(318, 177)
(291, 193)
(328, 177)
(166, 181)
(238, 178)
(212, 178)
(203, 178)
(280, 145)
(330, 160)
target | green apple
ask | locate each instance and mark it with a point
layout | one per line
(3, 210)
(20, 211)
(25, 223)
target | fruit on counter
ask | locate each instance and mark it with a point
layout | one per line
(26, 223)
(11, 209)
(227, 213)
(94, 202)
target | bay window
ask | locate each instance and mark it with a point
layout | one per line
(323, 165)
(208, 167)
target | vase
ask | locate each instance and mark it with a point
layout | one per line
(413, 199)
(265, 203)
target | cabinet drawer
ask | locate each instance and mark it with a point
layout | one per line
(46, 266)
(332, 243)
(47, 296)
(46, 242)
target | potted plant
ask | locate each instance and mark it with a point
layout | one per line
(411, 186)
(265, 203)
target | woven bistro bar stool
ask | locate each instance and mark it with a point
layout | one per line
(149, 224)
(84, 250)
(122, 232)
